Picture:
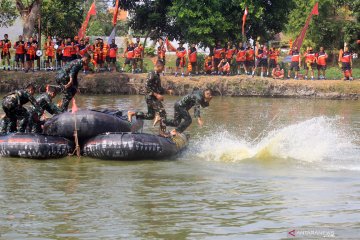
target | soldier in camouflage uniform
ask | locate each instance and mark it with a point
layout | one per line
(195, 99)
(14, 111)
(45, 104)
(67, 79)
(154, 97)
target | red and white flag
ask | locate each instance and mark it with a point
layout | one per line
(244, 20)
(116, 11)
(91, 12)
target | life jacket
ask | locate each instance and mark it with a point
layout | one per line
(82, 49)
(217, 52)
(106, 50)
(97, 51)
(30, 49)
(49, 49)
(295, 56)
(138, 48)
(113, 50)
(250, 55)
(321, 58)
(346, 57)
(192, 55)
(274, 54)
(67, 49)
(241, 55)
(20, 49)
(6, 45)
(161, 52)
(130, 52)
(310, 57)
(230, 53)
(75, 48)
(180, 52)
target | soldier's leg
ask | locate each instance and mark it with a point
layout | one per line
(186, 123)
(176, 120)
(23, 118)
(68, 95)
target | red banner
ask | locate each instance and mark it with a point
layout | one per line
(243, 21)
(91, 12)
(116, 12)
(169, 46)
(298, 41)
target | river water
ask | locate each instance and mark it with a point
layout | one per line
(258, 169)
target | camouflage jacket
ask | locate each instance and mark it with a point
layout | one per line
(72, 69)
(194, 99)
(153, 84)
(45, 104)
(18, 98)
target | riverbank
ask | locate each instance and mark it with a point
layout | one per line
(124, 83)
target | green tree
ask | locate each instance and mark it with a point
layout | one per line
(338, 21)
(29, 12)
(7, 13)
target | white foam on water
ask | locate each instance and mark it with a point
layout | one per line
(317, 140)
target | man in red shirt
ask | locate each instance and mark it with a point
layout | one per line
(30, 48)
(138, 55)
(129, 58)
(295, 62)
(217, 52)
(277, 72)
(250, 64)
(49, 53)
(321, 57)
(5, 46)
(19, 54)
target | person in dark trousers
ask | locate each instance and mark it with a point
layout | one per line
(67, 79)
(154, 97)
(195, 99)
(12, 105)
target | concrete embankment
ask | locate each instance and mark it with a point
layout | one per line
(118, 83)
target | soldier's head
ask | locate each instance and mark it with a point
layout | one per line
(207, 95)
(20, 37)
(6, 36)
(159, 66)
(51, 90)
(86, 59)
(30, 88)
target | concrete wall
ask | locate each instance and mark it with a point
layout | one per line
(13, 31)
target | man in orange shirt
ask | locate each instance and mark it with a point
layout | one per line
(277, 72)
(321, 57)
(67, 47)
(230, 52)
(345, 57)
(217, 52)
(273, 55)
(138, 55)
(250, 64)
(5, 46)
(208, 65)
(161, 50)
(241, 58)
(295, 62)
(19, 54)
(180, 60)
(30, 48)
(129, 57)
(49, 53)
(112, 55)
(193, 58)
(310, 63)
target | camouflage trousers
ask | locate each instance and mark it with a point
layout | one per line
(68, 94)
(180, 114)
(154, 106)
(35, 123)
(12, 116)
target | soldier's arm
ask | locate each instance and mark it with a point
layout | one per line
(34, 102)
(52, 109)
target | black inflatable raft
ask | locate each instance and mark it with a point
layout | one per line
(133, 146)
(90, 123)
(32, 145)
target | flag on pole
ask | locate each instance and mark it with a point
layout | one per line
(116, 10)
(91, 12)
(243, 21)
(112, 35)
(169, 46)
(298, 41)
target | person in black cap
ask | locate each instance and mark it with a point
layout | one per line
(45, 104)
(12, 105)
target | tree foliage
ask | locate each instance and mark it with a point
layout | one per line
(7, 13)
(338, 21)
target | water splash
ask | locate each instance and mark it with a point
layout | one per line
(315, 140)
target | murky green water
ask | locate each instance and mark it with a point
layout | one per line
(258, 169)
